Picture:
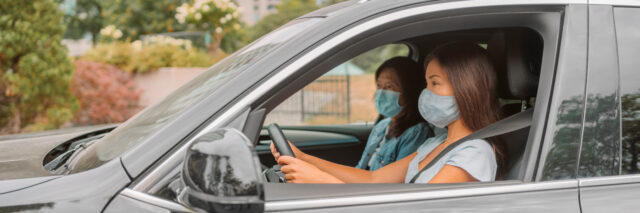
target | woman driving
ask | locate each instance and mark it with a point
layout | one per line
(461, 96)
(399, 82)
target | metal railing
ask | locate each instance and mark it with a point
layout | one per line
(328, 96)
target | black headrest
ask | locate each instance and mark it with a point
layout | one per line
(516, 55)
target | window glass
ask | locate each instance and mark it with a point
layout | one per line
(628, 35)
(342, 95)
(135, 130)
(600, 151)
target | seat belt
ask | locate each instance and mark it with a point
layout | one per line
(510, 124)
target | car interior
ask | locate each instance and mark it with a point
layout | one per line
(516, 54)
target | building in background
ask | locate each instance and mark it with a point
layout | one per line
(253, 10)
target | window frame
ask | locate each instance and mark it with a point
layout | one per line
(410, 54)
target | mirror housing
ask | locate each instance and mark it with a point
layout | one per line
(221, 173)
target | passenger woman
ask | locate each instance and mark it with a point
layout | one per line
(399, 82)
(461, 96)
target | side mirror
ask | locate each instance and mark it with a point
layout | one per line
(222, 174)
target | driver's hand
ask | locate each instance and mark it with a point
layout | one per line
(299, 171)
(299, 154)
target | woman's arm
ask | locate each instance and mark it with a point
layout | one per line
(452, 174)
(392, 173)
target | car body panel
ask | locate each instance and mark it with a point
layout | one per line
(7, 186)
(88, 191)
(604, 185)
(22, 155)
(610, 194)
(123, 203)
(558, 158)
(553, 196)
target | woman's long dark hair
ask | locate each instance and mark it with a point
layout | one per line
(473, 79)
(412, 82)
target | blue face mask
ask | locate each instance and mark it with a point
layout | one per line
(387, 102)
(438, 110)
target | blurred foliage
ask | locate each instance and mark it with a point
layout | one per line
(141, 17)
(144, 17)
(149, 55)
(106, 93)
(34, 68)
(115, 53)
(85, 17)
(631, 133)
(218, 18)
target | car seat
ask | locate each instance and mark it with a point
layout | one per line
(516, 55)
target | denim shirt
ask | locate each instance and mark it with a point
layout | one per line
(476, 157)
(393, 149)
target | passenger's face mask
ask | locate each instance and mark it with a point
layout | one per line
(387, 102)
(438, 110)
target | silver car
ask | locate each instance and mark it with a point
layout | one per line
(573, 63)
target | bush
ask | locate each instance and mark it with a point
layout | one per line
(34, 68)
(149, 55)
(114, 53)
(106, 94)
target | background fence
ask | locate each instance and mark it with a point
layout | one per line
(327, 98)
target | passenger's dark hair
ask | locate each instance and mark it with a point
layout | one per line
(412, 82)
(474, 83)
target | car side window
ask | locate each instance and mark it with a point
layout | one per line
(628, 37)
(343, 95)
(600, 148)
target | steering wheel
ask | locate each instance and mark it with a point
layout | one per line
(274, 174)
(282, 145)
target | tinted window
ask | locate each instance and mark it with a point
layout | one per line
(600, 152)
(628, 35)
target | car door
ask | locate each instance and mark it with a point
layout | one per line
(547, 184)
(609, 174)
(539, 187)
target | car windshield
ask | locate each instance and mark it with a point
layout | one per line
(157, 116)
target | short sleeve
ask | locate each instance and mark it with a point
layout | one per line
(477, 158)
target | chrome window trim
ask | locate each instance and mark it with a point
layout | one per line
(416, 196)
(616, 2)
(153, 200)
(226, 116)
(609, 180)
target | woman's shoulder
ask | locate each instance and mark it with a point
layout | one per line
(382, 125)
(476, 157)
(479, 144)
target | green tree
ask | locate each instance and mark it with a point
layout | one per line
(34, 68)
(86, 17)
(141, 17)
